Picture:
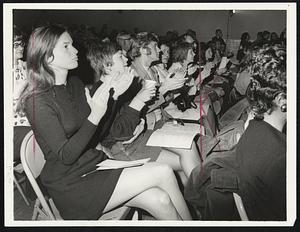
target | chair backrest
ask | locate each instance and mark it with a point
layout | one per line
(240, 207)
(32, 159)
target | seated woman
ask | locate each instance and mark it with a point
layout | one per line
(64, 118)
(128, 121)
(163, 63)
(242, 79)
(183, 59)
(256, 170)
(21, 124)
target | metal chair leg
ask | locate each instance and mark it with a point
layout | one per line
(20, 190)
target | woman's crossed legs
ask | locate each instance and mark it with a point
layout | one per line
(152, 187)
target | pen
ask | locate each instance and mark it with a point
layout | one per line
(84, 175)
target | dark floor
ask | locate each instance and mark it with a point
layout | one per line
(21, 210)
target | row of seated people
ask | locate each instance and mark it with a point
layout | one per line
(78, 127)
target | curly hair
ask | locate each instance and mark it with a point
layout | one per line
(142, 40)
(267, 68)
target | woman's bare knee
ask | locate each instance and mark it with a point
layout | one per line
(163, 172)
(157, 202)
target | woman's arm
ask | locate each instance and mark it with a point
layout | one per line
(46, 124)
(125, 122)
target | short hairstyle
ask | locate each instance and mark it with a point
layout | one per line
(267, 68)
(142, 40)
(180, 52)
(100, 54)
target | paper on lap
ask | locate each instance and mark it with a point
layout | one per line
(115, 164)
(175, 135)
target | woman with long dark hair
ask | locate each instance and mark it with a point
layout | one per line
(64, 118)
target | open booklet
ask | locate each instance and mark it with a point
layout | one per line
(116, 164)
(175, 135)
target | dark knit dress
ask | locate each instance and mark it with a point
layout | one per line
(59, 121)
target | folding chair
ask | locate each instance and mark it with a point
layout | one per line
(32, 159)
(17, 181)
(240, 207)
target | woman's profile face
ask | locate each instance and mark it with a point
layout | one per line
(165, 53)
(119, 62)
(64, 54)
(18, 49)
(190, 56)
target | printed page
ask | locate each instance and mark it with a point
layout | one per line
(175, 135)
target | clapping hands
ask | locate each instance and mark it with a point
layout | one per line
(173, 81)
(192, 69)
(121, 81)
(98, 103)
(146, 93)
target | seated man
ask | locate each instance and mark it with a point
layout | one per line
(124, 40)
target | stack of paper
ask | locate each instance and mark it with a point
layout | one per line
(115, 164)
(175, 135)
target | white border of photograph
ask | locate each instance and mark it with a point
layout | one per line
(291, 113)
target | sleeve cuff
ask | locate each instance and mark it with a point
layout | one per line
(137, 104)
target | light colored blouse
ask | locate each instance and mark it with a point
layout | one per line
(19, 82)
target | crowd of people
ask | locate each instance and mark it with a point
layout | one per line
(92, 96)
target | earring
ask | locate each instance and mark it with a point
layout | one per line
(283, 108)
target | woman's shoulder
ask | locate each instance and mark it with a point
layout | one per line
(46, 97)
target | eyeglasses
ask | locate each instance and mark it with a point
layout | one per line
(18, 44)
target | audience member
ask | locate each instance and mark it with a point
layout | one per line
(244, 46)
(21, 124)
(218, 36)
(125, 41)
(256, 167)
(65, 118)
